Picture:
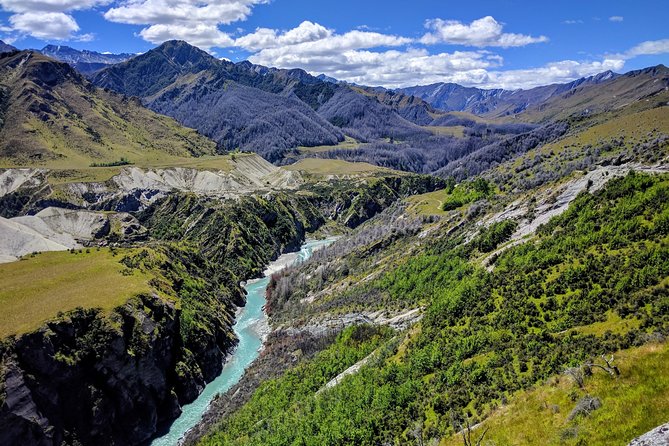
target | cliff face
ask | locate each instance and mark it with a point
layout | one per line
(92, 378)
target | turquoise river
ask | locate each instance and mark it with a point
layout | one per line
(250, 326)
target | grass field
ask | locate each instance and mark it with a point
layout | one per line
(348, 143)
(632, 404)
(86, 174)
(427, 204)
(37, 288)
(457, 130)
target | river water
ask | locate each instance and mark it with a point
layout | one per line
(250, 327)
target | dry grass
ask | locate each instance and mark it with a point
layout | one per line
(427, 204)
(348, 143)
(457, 130)
(37, 288)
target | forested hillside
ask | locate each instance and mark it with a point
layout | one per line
(592, 282)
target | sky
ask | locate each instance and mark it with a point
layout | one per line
(488, 44)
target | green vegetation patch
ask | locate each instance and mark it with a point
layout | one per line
(466, 192)
(487, 335)
(276, 411)
(39, 287)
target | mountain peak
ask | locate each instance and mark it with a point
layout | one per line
(6, 48)
(38, 68)
(185, 55)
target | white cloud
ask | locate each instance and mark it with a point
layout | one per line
(164, 12)
(573, 22)
(45, 25)
(195, 21)
(484, 32)
(392, 68)
(264, 38)
(616, 18)
(48, 19)
(50, 5)
(201, 35)
(647, 48)
(554, 72)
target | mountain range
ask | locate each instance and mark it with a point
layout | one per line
(51, 113)
(280, 113)
(534, 103)
(246, 106)
(495, 102)
(4, 48)
(85, 61)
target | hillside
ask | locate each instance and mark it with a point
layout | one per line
(265, 110)
(211, 95)
(608, 95)
(52, 116)
(480, 309)
(603, 92)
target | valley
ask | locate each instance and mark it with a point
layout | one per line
(200, 251)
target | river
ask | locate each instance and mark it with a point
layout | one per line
(250, 327)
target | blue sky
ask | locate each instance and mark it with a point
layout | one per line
(503, 43)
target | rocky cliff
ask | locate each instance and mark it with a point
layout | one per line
(92, 378)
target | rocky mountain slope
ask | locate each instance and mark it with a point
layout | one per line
(261, 109)
(51, 115)
(601, 92)
(5, 48)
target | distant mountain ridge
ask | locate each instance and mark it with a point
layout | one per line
(85, 61)
(495, 102)
(5, 48)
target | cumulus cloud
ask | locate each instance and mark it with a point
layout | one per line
(391, 68)
(50, 5)
(648, 48)
(331, 45)
(264, 38)
(48, 19)
(201, 35)
(484, 32)
(44, 25)
(164, 12)
(616, 18)
(394, 68)
(196, 21)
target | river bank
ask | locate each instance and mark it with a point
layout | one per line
(252, 329)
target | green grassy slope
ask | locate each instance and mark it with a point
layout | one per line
(36, 288)
(593, 281)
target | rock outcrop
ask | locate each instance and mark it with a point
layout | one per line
(657, 437)
(92, 378)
